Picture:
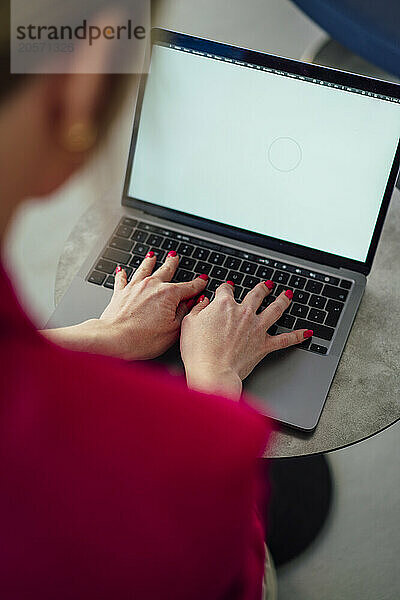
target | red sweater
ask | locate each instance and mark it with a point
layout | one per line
(116, 482)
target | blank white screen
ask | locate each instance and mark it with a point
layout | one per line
(275, 155)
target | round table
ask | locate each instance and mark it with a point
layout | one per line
(365, 395)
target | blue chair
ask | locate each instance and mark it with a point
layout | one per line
(370, 28)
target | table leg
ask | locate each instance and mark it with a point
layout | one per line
(300, 500)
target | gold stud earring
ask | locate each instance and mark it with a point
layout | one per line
(79, 137)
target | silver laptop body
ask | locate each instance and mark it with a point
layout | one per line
(291, 386)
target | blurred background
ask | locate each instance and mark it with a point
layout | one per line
(355, 554)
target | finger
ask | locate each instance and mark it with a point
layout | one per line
(201, 304)
(226, 289)
(274, 311)
(167, 271)
(120, 279)
(286, 340)
(191, 288)
(145, 269)
(256, 296)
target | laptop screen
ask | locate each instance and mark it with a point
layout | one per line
(297, 159)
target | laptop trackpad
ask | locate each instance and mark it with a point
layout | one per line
(292, 385)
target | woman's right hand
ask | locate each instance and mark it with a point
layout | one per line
(223, 341)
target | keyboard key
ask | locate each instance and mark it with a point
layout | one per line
(248, 268)
(302, 297)
(140, 236)
(265, 273)
(185, 250)
(187, 263)
(129, 222)
(216, 258)
(317, 315)
(110, 282)
(97, 278)
(232, 263)
(141, 249)
(121, 244)
(346, 284)
(170, 245)
(155, 240)
(299, 310)
(124, 231)
(160, 254)
(201, 254)
(305, 345)
(317, 302)
(237, 292)
(273, 330)
(335, 293)
(203, 267)
(297, 282)
(106, 267)
(281, 289)
(183, 276)
(244, 293)
(268, 300)
(236, 277)
(314, 287)
(251, 282)
(281, 277)
(136, 261)
(219, 273)
(318, 349)
(320, 331)
(287, 321)
(334, 309)
(117, 256)
(213, 285)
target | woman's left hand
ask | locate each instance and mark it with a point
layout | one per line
(144, 317)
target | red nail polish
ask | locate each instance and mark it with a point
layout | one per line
(308, 334)
(172, 254)
(230, 283)
(270, 284)
(204, 277)
(201, 299)
(150, 254)
(289, 294)
(118, 270)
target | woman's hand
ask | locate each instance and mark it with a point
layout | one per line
(144, 317)
(223, 341)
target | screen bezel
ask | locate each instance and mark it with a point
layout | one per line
(326, 74)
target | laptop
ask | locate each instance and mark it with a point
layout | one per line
(255, 167)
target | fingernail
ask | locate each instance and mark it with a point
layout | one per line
(201, 299)
(289, 294)
(204, 277)
(150, 254)
(172, 254)
(118, 270)
(230, 283)
(270, 284)
(308, 334)
(190, 304)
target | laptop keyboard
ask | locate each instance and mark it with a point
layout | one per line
(318, 299)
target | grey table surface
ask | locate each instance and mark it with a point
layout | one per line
(364, 398)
